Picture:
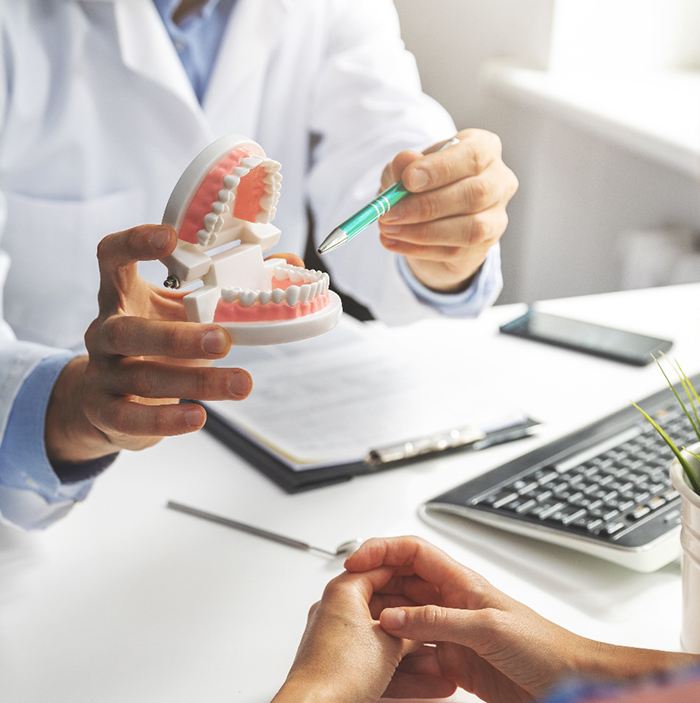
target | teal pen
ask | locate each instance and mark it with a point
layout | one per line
(349, 229)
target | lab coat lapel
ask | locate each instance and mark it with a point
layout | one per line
(147, 50)
(232, 100)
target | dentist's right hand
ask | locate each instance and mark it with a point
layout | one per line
(143, 356)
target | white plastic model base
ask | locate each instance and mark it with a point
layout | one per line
(226, 200)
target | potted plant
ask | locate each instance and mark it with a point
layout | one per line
(685, 474)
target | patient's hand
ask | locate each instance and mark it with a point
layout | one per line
(143, 356)
(488, 643)
(345, 656)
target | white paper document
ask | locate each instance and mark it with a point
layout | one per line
(375, 388)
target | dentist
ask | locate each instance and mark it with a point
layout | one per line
(102, 105)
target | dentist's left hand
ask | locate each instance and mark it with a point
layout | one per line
(143, 356)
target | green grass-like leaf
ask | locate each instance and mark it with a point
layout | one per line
(694, 482)
(695, 427)
(692, 395)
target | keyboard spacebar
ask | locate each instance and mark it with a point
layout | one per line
(598, 449)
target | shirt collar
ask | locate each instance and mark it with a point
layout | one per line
(167, 7)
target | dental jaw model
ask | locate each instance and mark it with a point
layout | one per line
(222, 209)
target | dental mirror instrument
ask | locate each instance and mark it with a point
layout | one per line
(342, 549)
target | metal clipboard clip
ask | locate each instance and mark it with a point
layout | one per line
(466, 436)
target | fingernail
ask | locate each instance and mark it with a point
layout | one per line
(193, 417)
(160, 238)
(390, 229)
(418, 179)
(215, 342)
(393, 618)
(241, 384)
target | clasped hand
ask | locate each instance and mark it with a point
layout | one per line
(366, 638)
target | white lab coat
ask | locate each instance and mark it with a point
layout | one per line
(98, 120)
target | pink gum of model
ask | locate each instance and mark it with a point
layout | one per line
(228, 196)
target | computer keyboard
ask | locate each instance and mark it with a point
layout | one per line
(604, 490)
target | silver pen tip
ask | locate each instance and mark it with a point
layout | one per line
(335, 239)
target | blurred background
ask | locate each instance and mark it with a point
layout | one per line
(598, 106)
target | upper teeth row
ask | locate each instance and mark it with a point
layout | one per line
(214, 220)
(292, 295)
(297, 274)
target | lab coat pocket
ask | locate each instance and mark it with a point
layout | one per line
(51, 290)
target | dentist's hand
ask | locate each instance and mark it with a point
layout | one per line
(143, 356)
(346, 657)
(488, 643)
(457, 212)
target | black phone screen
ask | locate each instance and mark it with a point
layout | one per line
(609, 342)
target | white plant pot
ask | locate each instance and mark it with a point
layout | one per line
(690, 543)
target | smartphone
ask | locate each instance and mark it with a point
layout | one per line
(608, 342)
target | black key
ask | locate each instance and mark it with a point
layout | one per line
(570, 514)
(575, 497)
(610, 514)
(613, 527)
(526, 507)
(545, 476)
(656, 502)
(580, 523)
(544, 496)
(640, 512)
(594, 526)
(553, 508)
(625, 505)
(528, 488)
(641, 496)
(504, 499)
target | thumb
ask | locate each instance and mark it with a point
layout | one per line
(433, 623)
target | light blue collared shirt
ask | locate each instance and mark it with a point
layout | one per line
(24, 464)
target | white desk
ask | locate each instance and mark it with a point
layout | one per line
(126, 601)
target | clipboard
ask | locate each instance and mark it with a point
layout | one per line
(380, 459)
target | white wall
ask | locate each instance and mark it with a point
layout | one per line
(579, 193)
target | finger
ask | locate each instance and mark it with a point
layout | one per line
(433, 623)
(381, 602)
(424, 560)
(149, 379)
(366, 583)
(419, 686)
(292, 259)
(392, 172)
(476, 151)
(412, 587)
(460, 231)
(427, 253)
(465, 197)
(124, 249)
(135, 336)
(118, 416)
(423, 660)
